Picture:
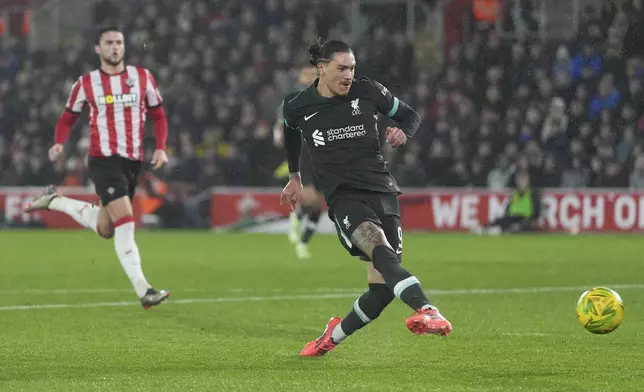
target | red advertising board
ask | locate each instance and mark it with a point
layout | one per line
(458, 209)
(13, 201)
(448, 210)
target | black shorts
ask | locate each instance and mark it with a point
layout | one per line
(348, 209)
(114, 177)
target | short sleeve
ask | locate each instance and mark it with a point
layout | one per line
(387, 103)
(76, 99)
(152, 94)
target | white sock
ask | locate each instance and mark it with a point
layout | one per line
(128, 254)
(338, 334)
(86, 214)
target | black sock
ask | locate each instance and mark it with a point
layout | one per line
(367, 308)
(310, 226)
(404, 285)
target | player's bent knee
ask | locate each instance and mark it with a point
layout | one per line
(119, 209)
(104, 226)
(373, 276)
(387, 262)
(106, 236)
(105, 233)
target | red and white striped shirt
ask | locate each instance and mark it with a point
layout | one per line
(118, 105)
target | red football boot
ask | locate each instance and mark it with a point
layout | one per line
(323, 344)
(429, 321)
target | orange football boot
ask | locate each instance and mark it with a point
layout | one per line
(429, 321)
(323, 344)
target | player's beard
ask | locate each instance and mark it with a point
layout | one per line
(113, 60)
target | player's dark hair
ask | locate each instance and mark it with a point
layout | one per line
(106, 29)
(323, 52)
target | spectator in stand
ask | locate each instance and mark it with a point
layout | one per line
(411, 172)
(626, 144)
(575, 176)
(499, 177)
(636, 180)
(586, 64)
(608, 97)
(551, 175)
(553, 132)
(614, 176)
(562, 63)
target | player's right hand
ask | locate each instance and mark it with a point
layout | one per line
(56, 152)
(291, 192)
(396, 137)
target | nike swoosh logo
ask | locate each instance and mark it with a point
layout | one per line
(306, 118)
(398, 251)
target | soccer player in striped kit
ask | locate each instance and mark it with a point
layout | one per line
(119, 98)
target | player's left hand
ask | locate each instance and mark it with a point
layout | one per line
(396, 137)
(159, 159)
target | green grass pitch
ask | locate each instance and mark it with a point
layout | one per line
(243, 306)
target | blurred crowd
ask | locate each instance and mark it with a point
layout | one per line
(569, 112)
(223, 68)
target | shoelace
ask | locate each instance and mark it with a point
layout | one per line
(324, 342)
(327, 345)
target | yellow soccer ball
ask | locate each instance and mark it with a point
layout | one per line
(600, 310)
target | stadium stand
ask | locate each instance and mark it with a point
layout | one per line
(570, 112)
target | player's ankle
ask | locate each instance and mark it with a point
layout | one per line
(338, 335)
(427, 308)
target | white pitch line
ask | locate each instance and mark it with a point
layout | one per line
(97, 290)
(528, 290)
(524, 290)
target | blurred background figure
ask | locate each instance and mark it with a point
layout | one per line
(304, 220)
(522, 212)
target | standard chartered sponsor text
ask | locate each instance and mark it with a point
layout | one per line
(348, 132)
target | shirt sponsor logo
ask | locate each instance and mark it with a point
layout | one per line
(348, 132)
(124, 99)
(318, 138)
